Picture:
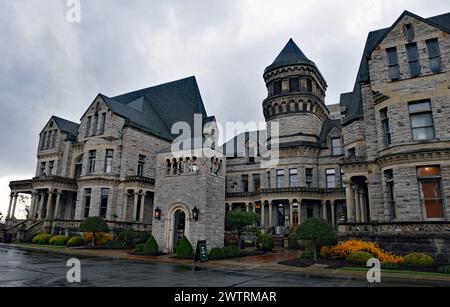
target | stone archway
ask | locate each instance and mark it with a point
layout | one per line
(176, 225)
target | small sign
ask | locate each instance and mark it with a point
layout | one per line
(201, 253)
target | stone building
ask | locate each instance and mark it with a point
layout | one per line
(376, 165)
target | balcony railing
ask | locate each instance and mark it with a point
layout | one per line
(58, 179)
(354, 159)
(397, 229)
(287, 190)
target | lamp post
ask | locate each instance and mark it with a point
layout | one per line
(195, 213)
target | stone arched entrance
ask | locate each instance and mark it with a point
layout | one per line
(176, 226)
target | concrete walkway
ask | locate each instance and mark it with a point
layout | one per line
(267, 262)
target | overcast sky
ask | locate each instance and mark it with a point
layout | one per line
(50, 67)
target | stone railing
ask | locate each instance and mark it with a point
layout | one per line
(140, 179)
(304, 190)
(59, 179)
(396, 229)
(354, 159)
(112, 225)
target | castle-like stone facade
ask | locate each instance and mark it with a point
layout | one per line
(376, 165)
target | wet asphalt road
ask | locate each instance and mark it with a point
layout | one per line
(25, 269)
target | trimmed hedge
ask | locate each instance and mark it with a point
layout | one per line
(75, 241)
(216, 253)
(42, 238)
(139, 248)
(184, 249)
(444, 269)
(418, 260)
(389, 266)
(359, 257)
(58, 240)
(114, 244)
(265, 242)
(150, 247)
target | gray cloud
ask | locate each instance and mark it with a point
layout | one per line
(50, 66)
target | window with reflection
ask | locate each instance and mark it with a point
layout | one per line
(430, 184)
(421, 118)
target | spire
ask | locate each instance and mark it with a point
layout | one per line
(291, 54)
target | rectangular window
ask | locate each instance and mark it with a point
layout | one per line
(385, 125)
(244, 180)
(51, 165)
(413, 60)
(43, 137)
(91, 164)
(102, 123)
(104, 202)
(141, 164)
(394, 68)
(109, 160)
(269, 184)
(294, 85)
(42, 168)
(94, 125)
(336, 146)
(409, 32)
(309, 177)
(293, 178)
(309, 85)
(277, 87)
(389, 179)
(331, 178)
(421, 118)
(87, 202)
(430, 184)
(53, 139)
(88, 126)
(352, 152)
(48, 141)
(280, 178)
(434, 55)
(256, 182)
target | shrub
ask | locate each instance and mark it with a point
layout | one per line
(306, 255)
(240, 222)
(42, 238)
(101, 238)
(150, 247)
(318, 232)
(75, 241)
(389, 266)
(265, 242)
(139, 248)
(444, 269)
(114, 244)
(343, 249)
(184, 249)
(132, 238)
(58, 240)
(418, 260)
(95, 225)
(231, 251)
(359, 257)
(216, 253)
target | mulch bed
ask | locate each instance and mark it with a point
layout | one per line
(336, 264)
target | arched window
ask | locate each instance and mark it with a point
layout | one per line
(175, 166)
(168, 166)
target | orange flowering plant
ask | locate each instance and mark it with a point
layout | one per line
(343, 249)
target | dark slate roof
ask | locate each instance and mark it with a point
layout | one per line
(66, 126)
(156, 109)
(290, 55)
(327, 126)
(353, 100)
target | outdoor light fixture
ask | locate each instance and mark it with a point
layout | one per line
(195, 214)
(157, 213)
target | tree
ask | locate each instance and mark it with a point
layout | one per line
(240, 222)
(93, 224)
(318, 232)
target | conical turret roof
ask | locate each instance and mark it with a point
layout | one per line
(290, 55)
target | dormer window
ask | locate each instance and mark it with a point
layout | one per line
(336, 146)
(409, 32)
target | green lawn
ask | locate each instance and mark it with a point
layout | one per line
(394, 271)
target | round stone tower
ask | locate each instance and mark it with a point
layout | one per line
(296, 98)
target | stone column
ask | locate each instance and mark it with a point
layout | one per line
(135, 205)
(363, 206)
(254, 207)
(263, 217)
(13, 213)
(358, 206)
(349, 202)
(49, 205)
(270, 215)
(324, 211)
(141, 212)
(247, 209)
(333, 214)
(8, 215)
(125, 206)
(57, 206)
(41, 206)
(291, 214)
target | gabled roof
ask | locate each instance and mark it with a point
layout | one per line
(353, 100)
(327, 126)
(66, 126)
(290, 55)
(156, 109)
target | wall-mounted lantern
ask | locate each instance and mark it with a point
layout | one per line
(195, 213)
(157, 214)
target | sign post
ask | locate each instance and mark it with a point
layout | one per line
(201, 252)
